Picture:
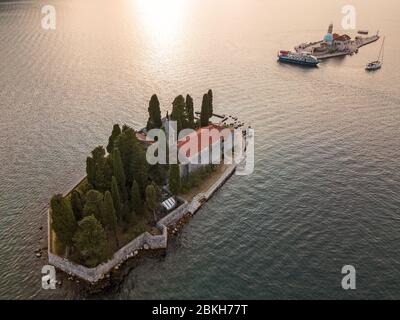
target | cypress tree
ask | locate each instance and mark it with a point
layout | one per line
(139, 167)
(94, 205)
(154, 120)
(189, 111)
(77, 205)
(119, 173)
(113, 138)
(62, 219)
(97, 169)
(110, 217)
(178, 112)
(174, 179)
(127, 145)
(158, 173)
(91, 171)
(116, 198)
(205, 111)
(210, 103)
(91, 241)
(136, 200)
(152, 199)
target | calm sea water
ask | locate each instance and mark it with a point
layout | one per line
(326, 187)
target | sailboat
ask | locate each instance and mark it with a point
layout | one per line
(375, 65)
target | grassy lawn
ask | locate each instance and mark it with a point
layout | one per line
(205, 183)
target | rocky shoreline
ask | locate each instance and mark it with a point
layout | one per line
(112, 281)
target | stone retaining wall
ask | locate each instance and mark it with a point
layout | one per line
(126, 252)
(174, 216)
(144, 240)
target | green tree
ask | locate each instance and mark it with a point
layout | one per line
(91, 241)
(205, 111)
(136, 199)
(113, 138)
(154, 120)
(109, 214)
(116, 198)
(152, 199)
(127, 145)
(77, 205)
(158, 173)
(178, 113)
(139, 168)
(189, 111)
(94, 205)
(133, 156)
(62, 220)
(210, 103)
(119, 172)
(174, 179)
(91, 170)
(97, 169)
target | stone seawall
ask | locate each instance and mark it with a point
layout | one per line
(95, 274)
(174, 216)
(144, 241)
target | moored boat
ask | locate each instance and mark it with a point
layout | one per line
(375, 65)
(301, 58)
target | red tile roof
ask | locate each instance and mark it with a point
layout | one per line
(198, 135)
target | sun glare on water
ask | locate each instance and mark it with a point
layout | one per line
(162, 20)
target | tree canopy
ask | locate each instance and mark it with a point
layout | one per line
(116, 198)
(179, 112)
(63, 219)
(152, 196)
(119, 172)
(98, 170)
(174, 179)
(91, 240)
(77, 205)
(94, 205)
(205, 112)
(210, 103)
(154, 120)
(136, 199)
(113, 138)
(189, 111)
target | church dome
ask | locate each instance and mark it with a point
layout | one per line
(328, 37)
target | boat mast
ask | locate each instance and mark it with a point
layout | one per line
(381, 52)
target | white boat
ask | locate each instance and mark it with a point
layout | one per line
(375, 65)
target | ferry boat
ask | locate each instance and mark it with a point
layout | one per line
(301, 58)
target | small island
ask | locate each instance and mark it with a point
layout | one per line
(124, 205)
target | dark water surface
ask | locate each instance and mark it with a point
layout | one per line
(326, 187)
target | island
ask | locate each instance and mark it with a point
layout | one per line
(336, 45)
(125, 206)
